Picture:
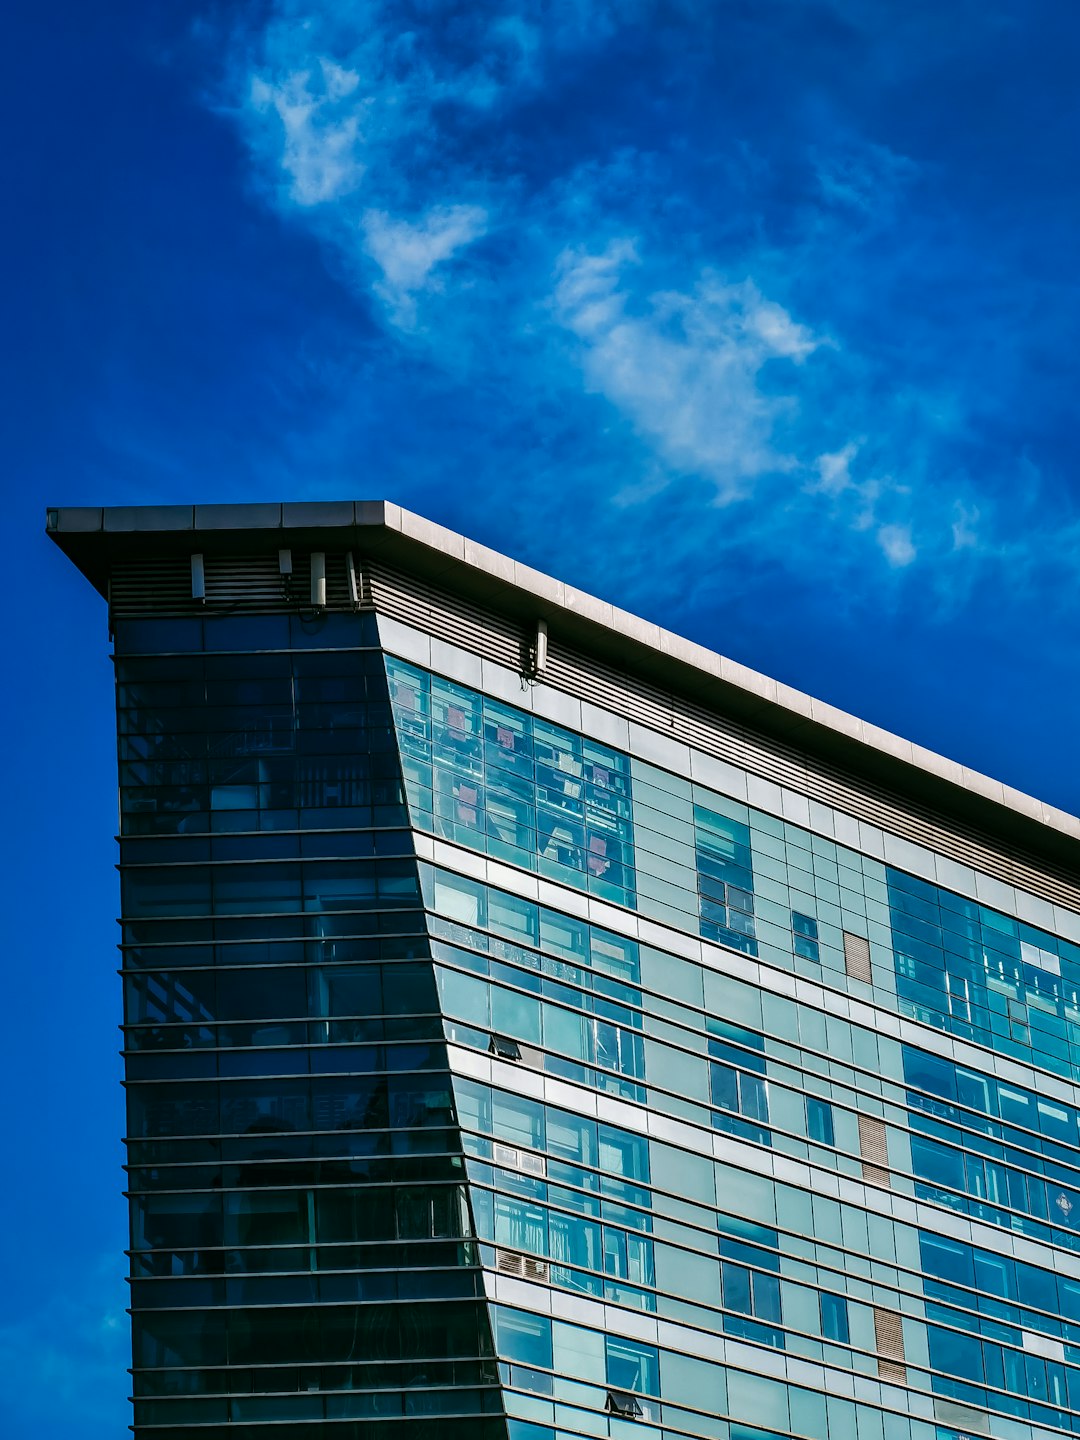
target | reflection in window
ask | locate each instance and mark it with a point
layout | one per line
(750, 1283)
(497, 779)
(819, 1120)
(738, 1087)
(985, 975)
(834, 1317)
(804, 930)
(725, 880)
(587, 1013)
(963, 1105)
(632, 1366)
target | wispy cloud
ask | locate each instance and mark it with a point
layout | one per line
(865, 177)
(409, 254)
(320, 137)
(686, 366)
(748, 361)
(895, 542)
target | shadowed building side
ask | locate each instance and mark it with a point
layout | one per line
(301, 1235)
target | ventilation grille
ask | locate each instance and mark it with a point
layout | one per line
(253, 583)
(889, 1340)
(874, 1148)
(857, 957)
(446, 617)
(521, 1266)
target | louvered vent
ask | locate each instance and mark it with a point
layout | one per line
(874, 1148)
(251, 584)
(857, 957)
(889, 1340)
(521, 1266)
(447, 617)
(152, 587)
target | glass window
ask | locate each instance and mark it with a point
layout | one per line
(456, 897)
(518, 1120)
(725, 880)
(834, 1317)
(632, 1366)
(512, 917)
(805, 936)
(579, 1352)
(624, 1154)
(819, 1120)
(523, 1337)
(749, 1281)
(737, 1083)
(571, 1137)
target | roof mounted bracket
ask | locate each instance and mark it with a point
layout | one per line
(536, 655)
(355, 579)
(318, 581)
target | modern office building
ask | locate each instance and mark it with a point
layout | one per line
(539, 1026)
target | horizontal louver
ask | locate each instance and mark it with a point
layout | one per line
(446, 617)
(248, 584)
(523, 1267)
(874, 1148)
(889, 1340)
(857, 957)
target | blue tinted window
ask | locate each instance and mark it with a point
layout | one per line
(725, 880)
(497, 779)
(819, 1120)
(982, 975)
(834, 1317)
(632, 1366)
(805, 936)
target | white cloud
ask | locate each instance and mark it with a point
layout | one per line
(319, 143)
(348, 91)
(965, 535)
(407, 254)
(381, 129)
(685, 366)
(834, 470)
(897, 545)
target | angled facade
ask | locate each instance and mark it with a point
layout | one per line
(539, 1027)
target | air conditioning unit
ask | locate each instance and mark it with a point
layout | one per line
(521, 1266)
(511, 1158)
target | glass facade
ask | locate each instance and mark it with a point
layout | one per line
(303, 1257)
(495, 1071)
(621, 1102)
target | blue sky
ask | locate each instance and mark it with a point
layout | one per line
(756, 318)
